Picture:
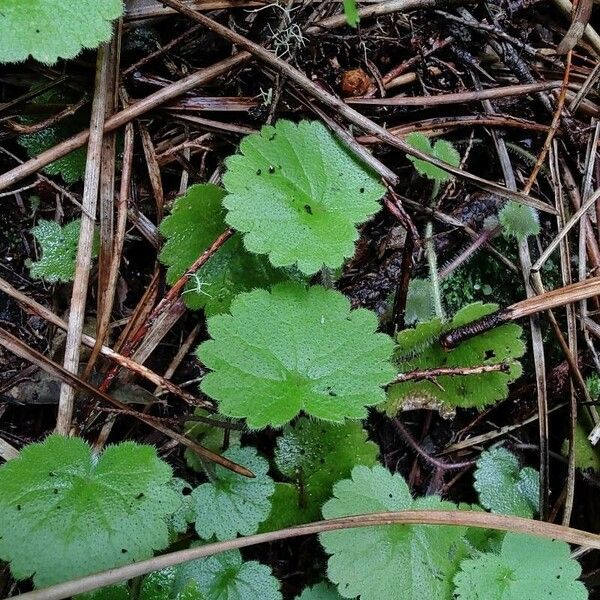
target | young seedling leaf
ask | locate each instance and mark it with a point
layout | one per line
(351, 12)
(526, 567)
(233, 504)
(65, 513)
(442, 150)
(195, 222)
(391, 562)
(321, 591)
(51, 29)
(226, 576)
(519, 221)
(297, 195)
(295, 349)
(419, 349)
(504, 487)
(587, 456)
(315, 454)
(58, 247)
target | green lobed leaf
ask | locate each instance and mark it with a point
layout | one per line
(186, 513)
(195, 222)
(233, 504)
(321, 591)
(391, 562)
(442, 150)
(519, 220)
(295, 349)
(58, 247)
(94, 513)
(297, 195)
(226, 576)
(419, 349)
(504, 487)
(51, 29)
(170, 584)
(526, 568)
(351, 12)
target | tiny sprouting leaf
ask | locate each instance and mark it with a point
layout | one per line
(295, 349)
(95, 513)
(58, 247)
(226, 576)
(526, 568)
(195, 222)
(315, 454)
(419, 349)
(351, 12)
(504, 487)
(389, 562)
(519, 220)
(321, 591)
(233, 504)
(586, 454)
(419, 301)
(441, 150)
(51, 29)
(297, 195)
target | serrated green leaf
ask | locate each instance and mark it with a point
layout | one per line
(297, 195)
(321, 591)
(58, 247)
(226, 576)
(186, 513)
(51, 29)
(519, 221)
(419, 349)
(504, 487)
(195, 222)
(170, 584)
(295, 349)
(233, 504)
(94, 513)
(527, 568)
(419, 301)
(441, 150)
(351, 12)
(391, 562)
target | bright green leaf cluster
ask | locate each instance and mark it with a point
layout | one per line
(51, 29)
(504, 487)
(525, 568)
(295, 349)
(442, 150)
(297, 195)
(519, 221)
(65, 512)
(351, 12)
(195, 222)
(419, 349)
(59, 251)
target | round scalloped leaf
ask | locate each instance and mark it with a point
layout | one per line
(93, 513)
(195, 222)
(389, 562)
(316, 454)
(419, 349)
(321, 591)
(51, 29)
(442, 150)
(526, 568)
(233, 504)
(295, 349)
(226, 576)
(504, 487)
(297, 195)
(519, 221)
